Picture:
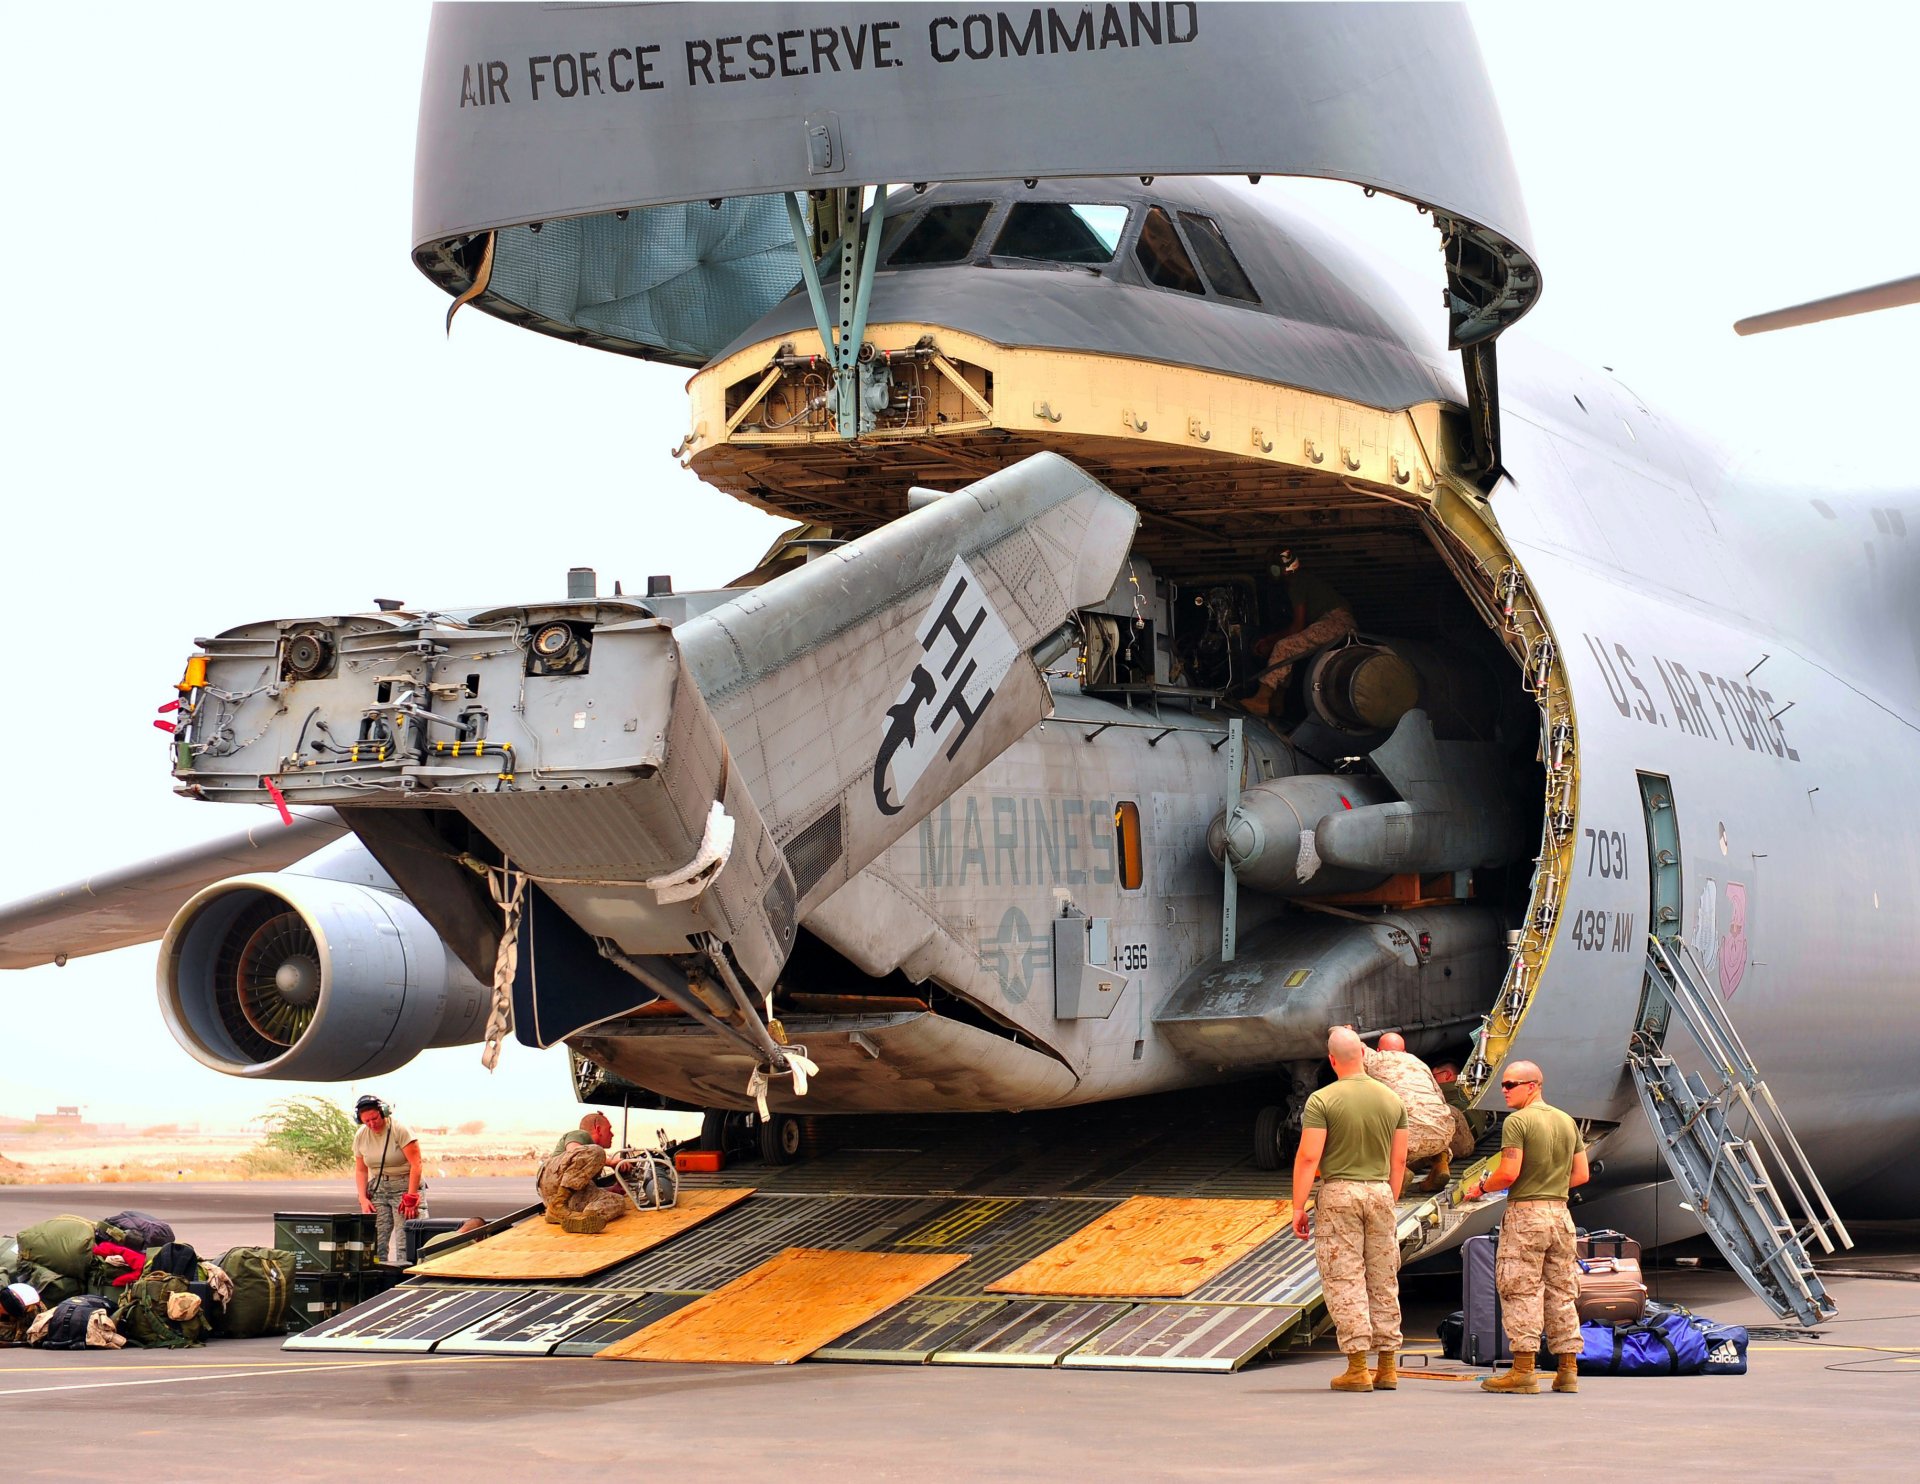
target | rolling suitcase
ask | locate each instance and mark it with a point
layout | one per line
(1605, 1243)
(1483, 1339)
(1611, 1291)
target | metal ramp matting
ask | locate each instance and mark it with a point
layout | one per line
(1267, 1299)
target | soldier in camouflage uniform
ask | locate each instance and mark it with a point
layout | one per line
(1429, 1119)
(1535, 1271)
(573, 1180)
(1353, 1135)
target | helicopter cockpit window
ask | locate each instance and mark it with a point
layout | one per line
(1059, 232)
(944, 235)
(1217, 261)
(1164, 259)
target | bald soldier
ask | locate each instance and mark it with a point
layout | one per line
(573, 1180)
(1429, 1119)
(1353, 1135)
(1535, 1271)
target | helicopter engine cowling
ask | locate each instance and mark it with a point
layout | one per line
(299, 977)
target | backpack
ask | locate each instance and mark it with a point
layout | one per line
(66, 1327)
(262, 1277)
(177, 1258)
(138, 1229)
(144, 1320)
(1658, 1345)
(63, 1243)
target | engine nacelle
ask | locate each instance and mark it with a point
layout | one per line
(302, 977)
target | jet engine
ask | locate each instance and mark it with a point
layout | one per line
(285, 976)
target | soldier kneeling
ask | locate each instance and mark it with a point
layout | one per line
(575, 1182)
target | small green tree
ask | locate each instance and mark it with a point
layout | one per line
(314, 1133)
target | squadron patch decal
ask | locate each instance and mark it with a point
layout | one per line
(965, 651)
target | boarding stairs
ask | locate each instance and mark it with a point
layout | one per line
(1763, 1213)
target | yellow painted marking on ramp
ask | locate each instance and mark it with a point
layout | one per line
(786, 1308)
(957, 1225)
(1150, 1247)
(222, 1373)
(538, 1248)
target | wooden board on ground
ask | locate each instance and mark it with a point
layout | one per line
(1150, 1247)
(787, 1308)
(537, 1248)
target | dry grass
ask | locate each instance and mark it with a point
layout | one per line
(164, 1153)
(138, 1159)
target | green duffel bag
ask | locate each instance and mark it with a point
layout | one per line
(262, 1279)
(53, 1286)
(142, 1315)
(63, 1243)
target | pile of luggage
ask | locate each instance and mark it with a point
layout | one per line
(72, 1283)
(1622, 1331)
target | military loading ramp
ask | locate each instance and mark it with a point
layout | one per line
(1000, 1192)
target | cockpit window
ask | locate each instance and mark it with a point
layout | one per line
(1217, 261)
(1057, 232)
(944, 235)
(1164, 259)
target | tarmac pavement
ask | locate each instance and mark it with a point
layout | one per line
(1827, 1406)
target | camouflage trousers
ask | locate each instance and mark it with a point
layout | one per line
(389, 1221)
(1359, 1260)
(1429, 1132)
(566, 1184)
(1463, 1139)
(1536, 1275)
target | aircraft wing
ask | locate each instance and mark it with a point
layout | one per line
(134, 904)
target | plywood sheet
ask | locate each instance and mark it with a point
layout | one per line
(787, 1308)
(1150, 1247)
(537, 1248)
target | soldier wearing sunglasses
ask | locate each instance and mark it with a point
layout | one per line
(1535, 1273)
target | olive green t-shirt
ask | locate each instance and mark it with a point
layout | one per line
(1547, 1141)
(572, 1136)
(1360, 1116)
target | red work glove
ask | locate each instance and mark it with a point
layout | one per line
(410, 1204)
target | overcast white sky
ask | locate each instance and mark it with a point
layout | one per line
(227, 395)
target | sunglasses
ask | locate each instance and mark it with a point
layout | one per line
(1509, 1086)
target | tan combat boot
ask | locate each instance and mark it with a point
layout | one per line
(1567, 1378)
(1437, 1174)
(1386, 1375)
(1356, 1377)
(1520, 1379)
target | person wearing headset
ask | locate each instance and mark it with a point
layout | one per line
(386, 1173)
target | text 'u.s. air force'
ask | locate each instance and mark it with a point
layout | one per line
(631, 66)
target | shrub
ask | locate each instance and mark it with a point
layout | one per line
(471, 1127)
(312, 1132)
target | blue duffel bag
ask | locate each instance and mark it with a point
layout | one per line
(1658, 1345)
(1726, 1343)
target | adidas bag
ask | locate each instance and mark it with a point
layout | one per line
(1659, 1345)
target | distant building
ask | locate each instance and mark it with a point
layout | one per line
(62, 1117)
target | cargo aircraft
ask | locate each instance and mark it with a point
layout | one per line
(1185, 643)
